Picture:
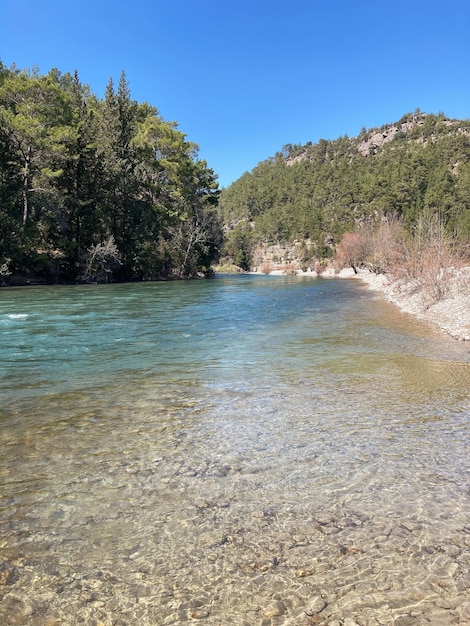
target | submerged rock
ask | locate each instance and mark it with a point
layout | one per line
(274, 609)
(315, 604)
(8, 573)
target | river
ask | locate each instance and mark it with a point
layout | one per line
(243, 450)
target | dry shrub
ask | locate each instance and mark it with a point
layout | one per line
(319, 267)
(433, 259)
(101, 259)
(423, 261)
(352, 251)
(4, 268)
(290, 268)
(381, 248)
(267, 267)
(387, 248)
(463, 278)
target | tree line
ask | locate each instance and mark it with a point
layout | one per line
(415, 169)
(98, 189)
(101, 189)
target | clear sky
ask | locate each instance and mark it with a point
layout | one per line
(243, 78)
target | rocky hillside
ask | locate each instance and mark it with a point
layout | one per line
(297, 205)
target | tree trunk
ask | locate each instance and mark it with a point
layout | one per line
(26, 185)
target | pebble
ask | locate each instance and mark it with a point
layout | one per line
(443, 603)
(466, 610)
(300, 540)
(453, 551)
(220, 561)
(302, 573)
(274, 609)
(315, 604)
(8, 573)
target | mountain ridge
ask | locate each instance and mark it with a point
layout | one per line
(415, 168)
(370, 141)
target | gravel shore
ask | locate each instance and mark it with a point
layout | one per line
(451, 313)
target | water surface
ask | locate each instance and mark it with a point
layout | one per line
(243, 450)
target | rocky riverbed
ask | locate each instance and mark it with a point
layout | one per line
(338, 567)
(321, 478)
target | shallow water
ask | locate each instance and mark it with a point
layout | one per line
(243, 450)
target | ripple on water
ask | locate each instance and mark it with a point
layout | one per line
(299, 483)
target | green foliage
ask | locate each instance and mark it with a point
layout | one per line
(239, 246)
(98, 189)
(320, 191)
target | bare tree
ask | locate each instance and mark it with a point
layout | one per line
(101, 259)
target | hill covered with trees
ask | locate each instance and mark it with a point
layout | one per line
(98, 189)
(414, 171)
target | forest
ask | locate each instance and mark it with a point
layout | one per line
(98, 190)
(104, 189)
(415, 172)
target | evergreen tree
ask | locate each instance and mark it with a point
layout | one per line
(317, 192)
(81, 182)
(98, 189)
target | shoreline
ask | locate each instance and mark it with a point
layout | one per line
(451, 313)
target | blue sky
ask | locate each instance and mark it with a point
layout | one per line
(243, 78)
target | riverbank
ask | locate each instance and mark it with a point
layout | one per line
(450, 313)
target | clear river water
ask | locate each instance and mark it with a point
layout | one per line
(247, 450)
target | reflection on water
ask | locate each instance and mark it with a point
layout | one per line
(248, 450)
